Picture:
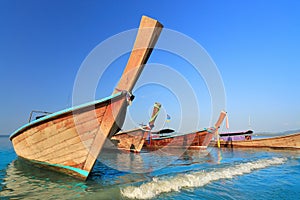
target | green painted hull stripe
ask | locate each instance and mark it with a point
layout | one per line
(79, 171)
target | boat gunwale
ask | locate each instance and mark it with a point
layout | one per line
(66, 111)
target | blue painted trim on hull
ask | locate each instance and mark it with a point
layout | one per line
(66, 111)
(79, 171)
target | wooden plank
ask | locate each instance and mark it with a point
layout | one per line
(62, 134)
(60, 146)
(77, 162)
(28, 148)
(38, 128)
(50, 138)
(71, 154)
(63, 124)
(50, 142)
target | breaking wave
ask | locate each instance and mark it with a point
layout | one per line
(195, 179)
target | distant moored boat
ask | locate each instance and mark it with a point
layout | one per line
(291, 141)
(133, 140)
(195, 140)
(136, 139)
(236, 136)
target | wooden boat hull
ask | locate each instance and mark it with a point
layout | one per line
(195, 140)
(132, 141)
(69, 141)
(135, 140)
(287, 142)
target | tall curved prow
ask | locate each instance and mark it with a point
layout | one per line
(156, 109)
(147, 36)
(220, 120)
(218, 124)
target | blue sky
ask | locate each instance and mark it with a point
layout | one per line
(255, 45)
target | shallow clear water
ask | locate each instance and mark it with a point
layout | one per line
(206, 174)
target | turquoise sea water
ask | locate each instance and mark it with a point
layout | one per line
(198, 174)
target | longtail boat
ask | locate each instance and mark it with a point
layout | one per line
(133, 140)
(236, 136)
(195, 140)
(291, 141)
(137, 139)
(69, 141)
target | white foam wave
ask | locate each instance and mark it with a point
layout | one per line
(196, 179)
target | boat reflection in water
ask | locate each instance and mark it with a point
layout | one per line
(22, 180)
(150, 161)
(113, 170)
